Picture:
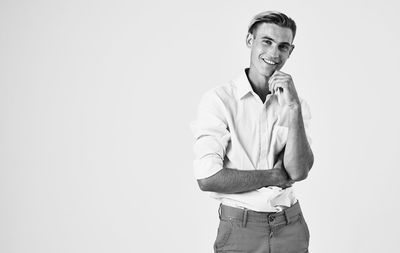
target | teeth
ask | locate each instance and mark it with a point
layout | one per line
(269, 62)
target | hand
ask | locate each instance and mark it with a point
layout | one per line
(282, 85)
(282, 178)
(281, 174)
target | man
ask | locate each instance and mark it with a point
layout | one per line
(252, 145)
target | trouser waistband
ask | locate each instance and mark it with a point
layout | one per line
(245, 215)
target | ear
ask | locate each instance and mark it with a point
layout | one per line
(291, 50)
(249, 40)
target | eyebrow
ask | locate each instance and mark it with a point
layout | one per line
(268, 38)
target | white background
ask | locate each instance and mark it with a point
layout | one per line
(96, 98)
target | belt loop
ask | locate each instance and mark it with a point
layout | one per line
(220, 211)
(244, 221)
(286, 216)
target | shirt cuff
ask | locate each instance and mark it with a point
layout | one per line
(207, 166)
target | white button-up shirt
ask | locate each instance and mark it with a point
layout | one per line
(235, 129)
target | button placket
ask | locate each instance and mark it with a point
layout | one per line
(271, 220)
(263, 134)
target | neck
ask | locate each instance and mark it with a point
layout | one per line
(258, 82)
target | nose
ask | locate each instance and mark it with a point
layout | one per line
(273, 51)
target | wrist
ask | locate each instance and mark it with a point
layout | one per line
(278, 176)
(295, 113)
(294, 106)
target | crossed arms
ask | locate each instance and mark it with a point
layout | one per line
(293, 164)
(237, 181)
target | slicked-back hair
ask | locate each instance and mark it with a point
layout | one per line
(273, 17)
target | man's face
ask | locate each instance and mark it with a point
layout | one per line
(271, 45)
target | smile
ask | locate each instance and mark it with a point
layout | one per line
(269, 62)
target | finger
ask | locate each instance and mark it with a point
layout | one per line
(271, 86)
(271, 80)
(283, 84)
(278, 73)
(275, 83)
(278, 86)
(282, 78)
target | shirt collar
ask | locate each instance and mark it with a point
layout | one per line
(243, 85)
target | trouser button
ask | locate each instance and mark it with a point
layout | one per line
(271, 218)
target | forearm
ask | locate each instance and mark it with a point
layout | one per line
(238, 181)
(298, 157)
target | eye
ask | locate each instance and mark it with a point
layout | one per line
(268, 42)
(284, 48)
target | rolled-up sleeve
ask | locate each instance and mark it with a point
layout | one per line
(211, 136)
(306, 113)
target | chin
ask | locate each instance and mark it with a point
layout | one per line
(267, 72)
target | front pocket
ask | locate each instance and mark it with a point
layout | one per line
(223, 234)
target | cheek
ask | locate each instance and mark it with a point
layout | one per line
(256, 53)
(254, 56)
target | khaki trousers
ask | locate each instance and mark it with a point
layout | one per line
(242, 230)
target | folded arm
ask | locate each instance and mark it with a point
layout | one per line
(238, 181)
(211, 140)
(298, 156)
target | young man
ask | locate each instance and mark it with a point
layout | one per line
(252, 145)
